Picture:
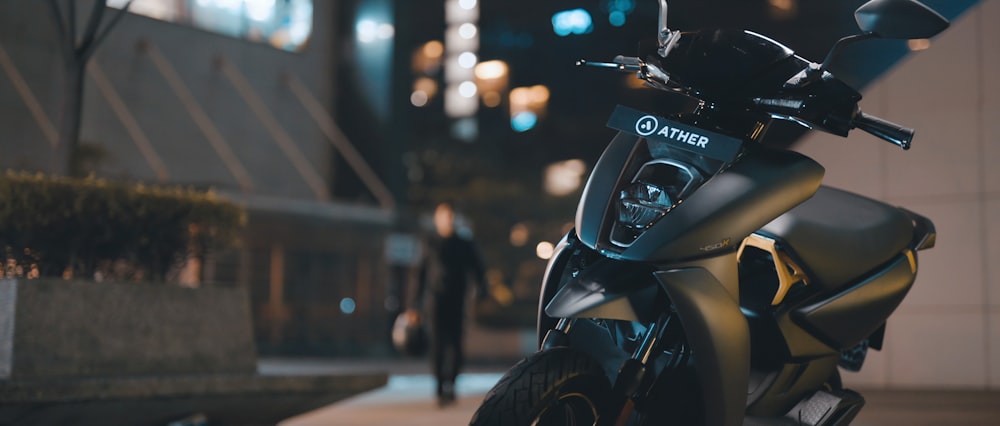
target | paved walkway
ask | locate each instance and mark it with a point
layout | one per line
(408, 400)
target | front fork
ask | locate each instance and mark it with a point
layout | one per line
(704, 295)
(714, 328)
(558, 336)
(632, 379)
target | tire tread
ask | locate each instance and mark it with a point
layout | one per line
(513, 400)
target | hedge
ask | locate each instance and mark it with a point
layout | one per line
(68, 227)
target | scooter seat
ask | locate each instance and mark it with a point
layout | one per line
(840, 236)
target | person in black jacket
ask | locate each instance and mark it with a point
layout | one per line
(450, 262)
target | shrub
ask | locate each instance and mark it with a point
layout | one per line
(75, 227)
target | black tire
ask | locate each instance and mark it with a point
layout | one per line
(558, 386)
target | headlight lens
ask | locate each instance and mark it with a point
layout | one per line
(657, 188)
(641, 204)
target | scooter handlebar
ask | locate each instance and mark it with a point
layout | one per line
(892, 132)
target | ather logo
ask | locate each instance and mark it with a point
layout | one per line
(678, 135)
(690, 138)
(646, 125)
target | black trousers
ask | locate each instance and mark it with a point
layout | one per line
(446, 341)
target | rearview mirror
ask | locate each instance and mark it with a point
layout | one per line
(899, 19)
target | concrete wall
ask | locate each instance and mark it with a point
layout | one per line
(947, 332)
(63, 329)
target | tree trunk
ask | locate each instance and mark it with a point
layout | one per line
(69, 135)
(77, 50)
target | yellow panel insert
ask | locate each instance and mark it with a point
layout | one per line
(788, 272)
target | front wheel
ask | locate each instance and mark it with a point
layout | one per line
(558, 386)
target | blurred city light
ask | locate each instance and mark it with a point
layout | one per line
(491, 70)
(618, 11)
(918, 44)
(575, 21)
(433, 49)
(526, 105)
(221, 4)
(461, 42)
(491, 78)
(458, 105)
(427, 58)
(626, 6)
(347, 305)
(385, 31)
(523, 121)
(466, 129)
(369, 31)
(617, 18)
(544, 250)
(467, 60)
(491, 99)
(461, 11)
(426, 85)
(259, 10)
(519, 235)
(783, 9)
(419, 98)
(782, 4)
(300, 23)
(564, 177)
(532, 99)
(457, 40)
(467, 30)
(454, 72)
(467, 89)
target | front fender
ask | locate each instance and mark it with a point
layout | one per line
(609, 289)
(719, 337)
(550, 283)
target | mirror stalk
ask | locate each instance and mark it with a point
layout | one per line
(663, 35)
(840, 44)
(666, 38)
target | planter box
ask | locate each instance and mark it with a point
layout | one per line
(90, 354)
(74, 329)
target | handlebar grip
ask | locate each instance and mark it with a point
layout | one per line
(892, 132)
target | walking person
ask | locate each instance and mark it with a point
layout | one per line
(451, 264)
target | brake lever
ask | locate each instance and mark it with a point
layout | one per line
(621, 63)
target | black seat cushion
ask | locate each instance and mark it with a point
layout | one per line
(840, 236)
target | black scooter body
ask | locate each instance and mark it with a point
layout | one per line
(797, 346)
(715, 280)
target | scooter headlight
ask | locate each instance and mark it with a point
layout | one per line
(641, 204)
(657, 188)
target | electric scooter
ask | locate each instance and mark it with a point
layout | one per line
(711, 279)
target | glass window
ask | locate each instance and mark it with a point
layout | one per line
(284, 24)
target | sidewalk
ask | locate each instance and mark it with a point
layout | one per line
(407, 399)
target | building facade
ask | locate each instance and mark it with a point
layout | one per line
(245, 110)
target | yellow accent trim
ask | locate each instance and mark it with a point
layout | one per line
(788, 272)
(913, 260)
(758, 129)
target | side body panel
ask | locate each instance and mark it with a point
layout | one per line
(850, 316)
(718, 335)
